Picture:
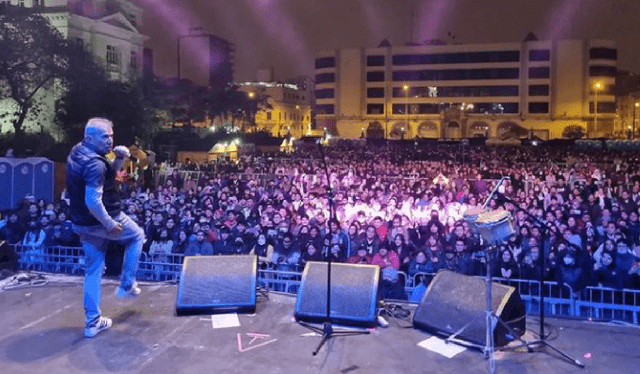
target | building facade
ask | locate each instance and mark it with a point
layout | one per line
(290, 112)
(467, 90)
(107, 28)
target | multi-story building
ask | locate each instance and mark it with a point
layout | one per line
(290, 112)
(107, 28)
(627, 124)
(205, 59)
(467, 90)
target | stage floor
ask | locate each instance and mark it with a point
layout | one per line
(41, 332)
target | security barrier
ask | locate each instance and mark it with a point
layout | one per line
(55, 259)
(609, 303)
(560, 299)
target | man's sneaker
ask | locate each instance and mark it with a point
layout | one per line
(101, 324)
(132, 292)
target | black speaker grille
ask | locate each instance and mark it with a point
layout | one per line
(354, 293)
(217, 284)
(454, 300)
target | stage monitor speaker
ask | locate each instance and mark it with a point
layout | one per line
(355, 294)
(452, 300)
(217, 284)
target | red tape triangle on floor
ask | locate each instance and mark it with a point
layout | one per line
(261, 338)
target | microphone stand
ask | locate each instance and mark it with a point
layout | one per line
(327, 330)
(542, 342)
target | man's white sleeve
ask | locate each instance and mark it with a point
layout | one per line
(93, 199)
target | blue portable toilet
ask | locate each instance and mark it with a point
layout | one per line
(6, 184)
(21, 177)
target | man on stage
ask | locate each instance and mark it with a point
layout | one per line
(96, 213)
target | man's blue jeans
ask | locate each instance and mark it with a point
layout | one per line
(94, 242)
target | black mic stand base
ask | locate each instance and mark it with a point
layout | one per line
(328, 332)
(542, 343)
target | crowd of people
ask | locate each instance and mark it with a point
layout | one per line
(404, 208)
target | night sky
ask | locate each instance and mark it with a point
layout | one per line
(286, 34)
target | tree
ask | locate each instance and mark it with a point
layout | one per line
(88, 92)
(573, 132)
(512, 130)
(32, 57)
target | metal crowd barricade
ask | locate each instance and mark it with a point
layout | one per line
(164, 268)
(558, 297)
(54, 259)
(609, 303)
(271, 278)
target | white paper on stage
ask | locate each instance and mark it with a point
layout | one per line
(438, 345)
(221, 321)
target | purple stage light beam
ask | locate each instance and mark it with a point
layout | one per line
(432, 17)
(561, 20)
(179, 21)
(279, 26)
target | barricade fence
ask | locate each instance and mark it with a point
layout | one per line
(560, 299)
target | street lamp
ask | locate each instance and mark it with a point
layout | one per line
(596, 88)
(635, 108)
(298, 118)
(406, 104)
(252, 112)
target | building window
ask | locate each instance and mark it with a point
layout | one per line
(456, 74)
(498, 108)
(325, 62)
(539, 73)
(539, 90)
(112, 55)
(539, 55)
(603, 71)
(325, 109)
(603, 107)
(459, 91)
(457, 58)
(375, 60)
(375, 108)
(375, 76)
(325, 93)
(268, 116)
(134, 60)
(603, 54)
(539, 107)
(325, 78)
(375, 92)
